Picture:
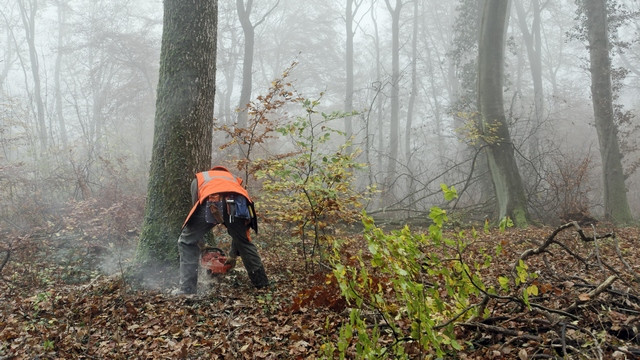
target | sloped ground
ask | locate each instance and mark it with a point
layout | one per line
(55, 305)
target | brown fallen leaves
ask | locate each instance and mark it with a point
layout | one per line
(573, 315)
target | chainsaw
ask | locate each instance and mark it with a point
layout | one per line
(213, 260)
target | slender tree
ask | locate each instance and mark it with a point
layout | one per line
(62, 26)
(616, 205)
(244, 14)
(351, 11)
(506, 178)
(395, 92)
(414, 84)
(183, 123)
(533, 42)
(28, 10)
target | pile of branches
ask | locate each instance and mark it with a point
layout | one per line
(587, 305)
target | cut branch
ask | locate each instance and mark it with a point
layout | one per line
(592, 294)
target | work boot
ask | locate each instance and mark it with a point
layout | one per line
(259, 278)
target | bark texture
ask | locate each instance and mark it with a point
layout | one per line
(183, 123)
(616, 205)
(506, 178)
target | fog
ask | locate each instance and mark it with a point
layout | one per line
(78, 84)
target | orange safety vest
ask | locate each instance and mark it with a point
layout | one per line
(216, 180)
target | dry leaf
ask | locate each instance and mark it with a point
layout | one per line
(522, 354)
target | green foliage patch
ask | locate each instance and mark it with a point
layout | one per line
(407, 290)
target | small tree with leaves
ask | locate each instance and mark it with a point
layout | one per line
(311, 186)
(265, 115)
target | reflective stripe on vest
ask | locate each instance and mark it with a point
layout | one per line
(207, 177)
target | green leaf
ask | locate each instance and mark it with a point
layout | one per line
(455, 345)
(504, 283)
(449, 193)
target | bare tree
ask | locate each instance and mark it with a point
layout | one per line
(62, 26)
(244, 14)
(533, 42)
(350, 13)
(28, 11)
(395, 92)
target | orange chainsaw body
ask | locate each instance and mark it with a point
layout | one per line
(212, 259)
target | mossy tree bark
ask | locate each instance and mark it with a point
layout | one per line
(616, 205)
(506, 178)
(183, 123)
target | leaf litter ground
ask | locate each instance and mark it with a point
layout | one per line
(55, 305)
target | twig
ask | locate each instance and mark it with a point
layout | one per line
(593, 293)
(563, 338)
(530, 252)
(624, 262)
(6, 259)
(595, 245)
(482, 304)
(501, 330)
(556, 311)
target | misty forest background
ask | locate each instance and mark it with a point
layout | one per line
(79, 82)
(444, 115)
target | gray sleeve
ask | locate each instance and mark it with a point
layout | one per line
(194, 191)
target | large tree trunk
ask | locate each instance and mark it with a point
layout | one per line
(183, 123)
(616, 205)
(500, 152)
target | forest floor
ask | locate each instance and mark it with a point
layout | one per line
(56, 302)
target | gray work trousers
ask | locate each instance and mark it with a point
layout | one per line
(192, 237)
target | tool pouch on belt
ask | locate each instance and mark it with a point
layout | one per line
(230, 207)
(214, 209)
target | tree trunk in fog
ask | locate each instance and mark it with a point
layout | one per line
(7, 58)
(414, 85)
(28, 9)
(500, 152)
(616, 205)
(348, 100)
(377, 100)
(532, 40)
(183, 123)
(61, 36)
(244, 14)
(412, 100)
(395, 94)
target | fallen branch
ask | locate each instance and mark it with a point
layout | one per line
(624, 262)
(592, 294)
(551, 239)
(500, 330)
(6, 259)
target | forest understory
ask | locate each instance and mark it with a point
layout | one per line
(56, 302)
